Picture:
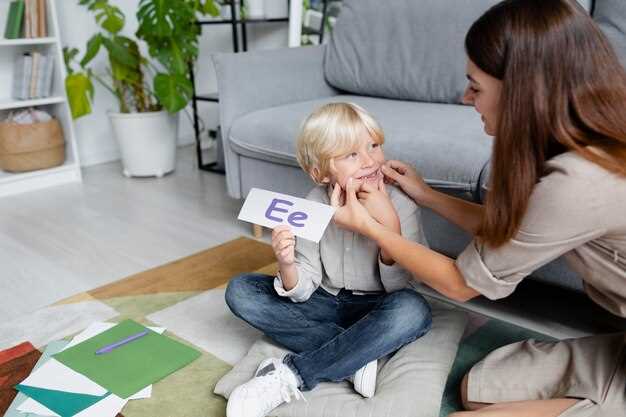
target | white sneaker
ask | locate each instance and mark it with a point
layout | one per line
(364, 379)
(273, 384)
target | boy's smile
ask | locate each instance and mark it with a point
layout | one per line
(361, 163)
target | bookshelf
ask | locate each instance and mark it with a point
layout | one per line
(56, 104)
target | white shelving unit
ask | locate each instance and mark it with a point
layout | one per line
(56, 104)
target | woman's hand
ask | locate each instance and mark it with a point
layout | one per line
(407, 178)
(349, 212)
(283, 243)
(377, 202)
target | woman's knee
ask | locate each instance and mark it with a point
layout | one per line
(467, 404)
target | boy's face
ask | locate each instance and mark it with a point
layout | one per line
(361, 163)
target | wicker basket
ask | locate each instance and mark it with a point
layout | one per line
(28, 147)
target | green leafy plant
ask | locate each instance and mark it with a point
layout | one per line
(139, 83)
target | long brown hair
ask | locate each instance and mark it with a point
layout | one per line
(563, 89)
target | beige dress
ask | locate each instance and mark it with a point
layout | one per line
(577, 210)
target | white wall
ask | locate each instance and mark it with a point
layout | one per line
(93, 133)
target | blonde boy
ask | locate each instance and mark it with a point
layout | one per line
(342, 304)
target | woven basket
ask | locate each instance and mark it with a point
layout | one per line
(28, 147)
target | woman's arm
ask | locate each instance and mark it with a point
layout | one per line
(431, 268)
(465, 214)
(468, 216)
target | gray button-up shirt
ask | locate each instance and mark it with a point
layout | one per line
(578, 209)
(344, 259)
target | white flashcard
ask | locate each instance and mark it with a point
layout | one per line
(307, 219)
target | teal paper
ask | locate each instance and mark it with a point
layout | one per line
(65, 404)
(51, 349)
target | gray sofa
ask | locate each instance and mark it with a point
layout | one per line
(402, 60)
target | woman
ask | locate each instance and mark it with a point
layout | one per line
(551, 91)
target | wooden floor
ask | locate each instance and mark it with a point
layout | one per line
(68, 239)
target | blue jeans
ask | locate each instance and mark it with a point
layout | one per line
(331, 337)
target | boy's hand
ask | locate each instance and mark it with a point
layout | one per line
(377, 202)
(283, 243)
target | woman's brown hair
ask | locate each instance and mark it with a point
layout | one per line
(563, 89)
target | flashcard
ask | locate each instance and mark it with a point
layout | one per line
(307, 219)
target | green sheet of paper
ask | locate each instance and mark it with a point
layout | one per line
(130, 367)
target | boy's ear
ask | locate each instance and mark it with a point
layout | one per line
(315, 175)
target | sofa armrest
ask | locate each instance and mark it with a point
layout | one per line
(257, 80)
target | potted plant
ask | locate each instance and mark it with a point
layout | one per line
(150, 90)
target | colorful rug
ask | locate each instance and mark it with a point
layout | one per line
(187, 297)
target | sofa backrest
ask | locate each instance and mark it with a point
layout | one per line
(404, 49)
(611, 16)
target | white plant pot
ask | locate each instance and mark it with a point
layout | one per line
(275, 9)
(254, 9)
(147, 142)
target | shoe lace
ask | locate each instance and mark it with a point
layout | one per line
(287, 391)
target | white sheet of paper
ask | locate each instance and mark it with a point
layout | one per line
(32, 406)
(307, 219)
(144, 393)
(56, 376)
(108, 407)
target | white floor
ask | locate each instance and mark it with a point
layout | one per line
(68, 239)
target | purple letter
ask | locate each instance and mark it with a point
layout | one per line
(273, 207)
(295, 216)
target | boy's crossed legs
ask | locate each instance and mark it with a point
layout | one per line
(331, 337)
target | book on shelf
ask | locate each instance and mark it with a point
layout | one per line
(15, 17)
(34, 19)
(42, 26)
(32, 76)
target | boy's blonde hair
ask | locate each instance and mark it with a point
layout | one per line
(330, 131)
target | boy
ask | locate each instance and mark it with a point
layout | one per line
(343, 303)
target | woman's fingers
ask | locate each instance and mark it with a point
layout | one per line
(399, 166)
(392, 174)
(381, 186)
(335, 197)
(351, 189)
(367, 187)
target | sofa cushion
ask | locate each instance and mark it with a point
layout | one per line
(445, 142)
(611, 16)
(410, 383)
(404, 49)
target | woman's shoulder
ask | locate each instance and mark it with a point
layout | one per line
(577, 187)
(573, 165)
(570, 169)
